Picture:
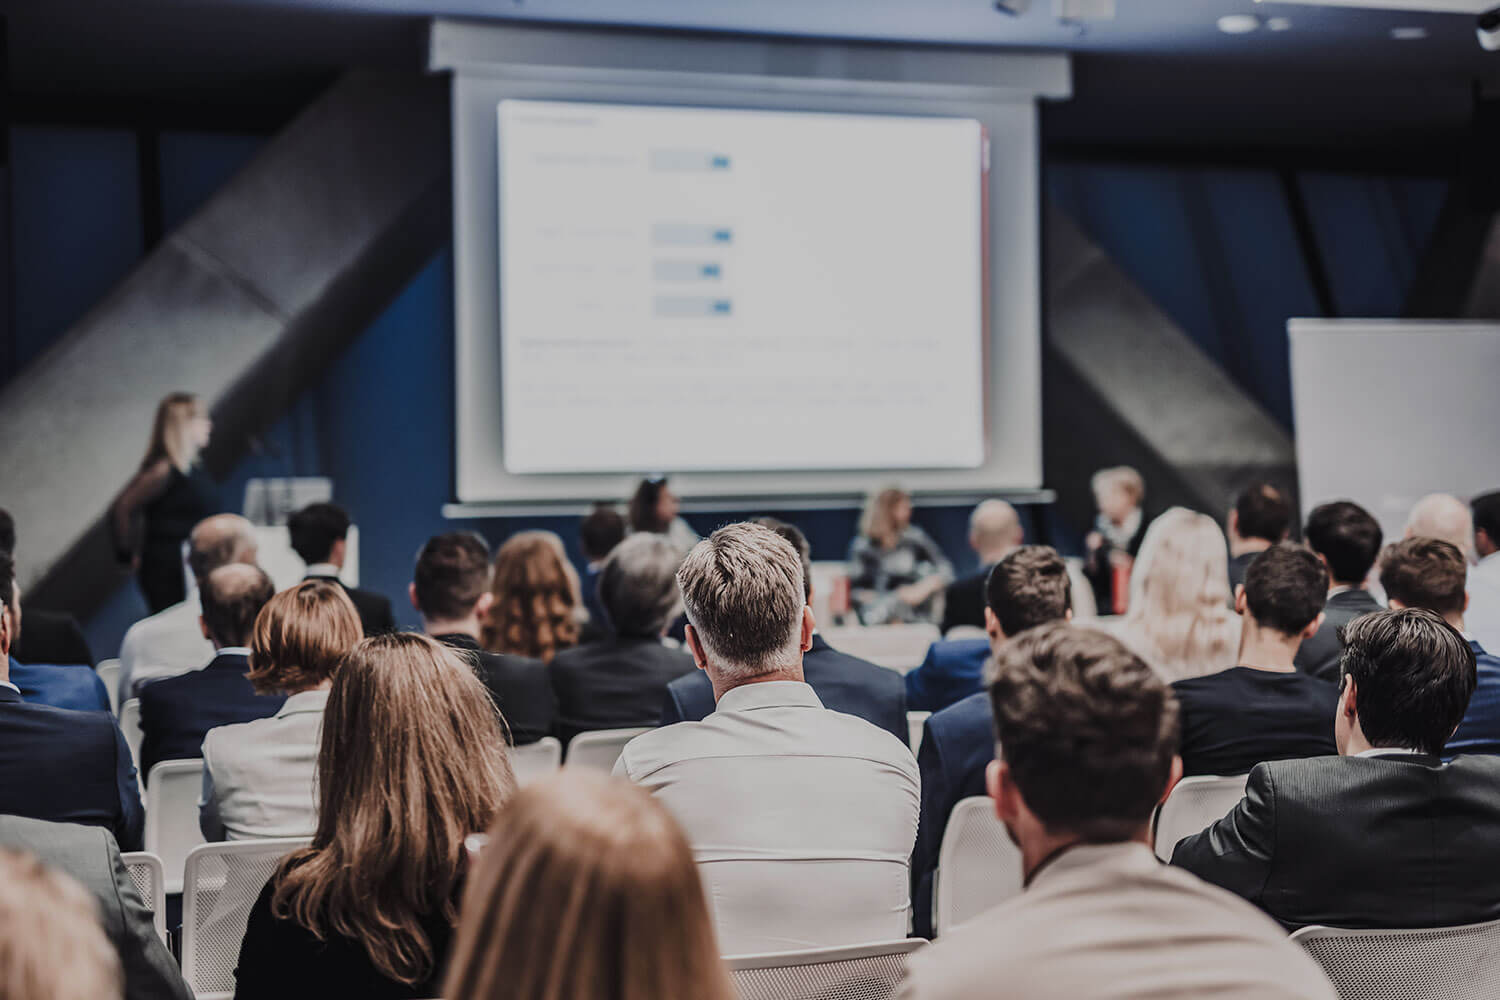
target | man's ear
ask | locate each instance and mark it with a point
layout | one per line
(1002, 790)
(809, 626)
(411, 593)
(1241, 603)
(483, 605)
(695, 646)
(1173, 777)
(1466, 602)
(1349, 698)
(1313, 626)
(992, 625)
(202, 624)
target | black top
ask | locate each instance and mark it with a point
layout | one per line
(963, 601)
(177, 712)
(1237, 718)
(518, 685)
(616, 683)
(281, 960)
(375, 615)
(1320, 655)
(51, 637)
(1238, 565)
(186, 500)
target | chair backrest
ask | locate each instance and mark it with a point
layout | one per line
(109, 673)
(863, 972)
(146, 875)
(172, 815)
(978, 866)
(601, 748)
(914, 723)
(130, 725)
(1440, 963)
(221, 885)
(1195, 805)
(535, 761)
(899, 647)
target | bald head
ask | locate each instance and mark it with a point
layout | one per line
(994, 530)
(218, 541)
(232, 596)
(1445, 517)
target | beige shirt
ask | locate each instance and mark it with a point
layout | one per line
(258, 776)
(1110, 922)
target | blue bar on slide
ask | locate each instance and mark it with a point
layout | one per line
(687, 234)
(687, 270)
(676, 306)
(688, 160)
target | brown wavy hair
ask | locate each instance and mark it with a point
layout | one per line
(300, 636)
(536, 598)
(587, 890)
(412, 761)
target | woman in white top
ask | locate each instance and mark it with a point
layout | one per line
(258, 776)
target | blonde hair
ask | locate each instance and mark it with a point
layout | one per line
(536, 598)
(169, 432)
(300, 636)
(412, 761)
(878, 521)
(52, 945)
(587, 890)
(1121, 477)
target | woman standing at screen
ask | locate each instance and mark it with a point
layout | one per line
(895, 570)
(655, 508)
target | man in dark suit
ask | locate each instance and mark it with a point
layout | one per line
(1260, 518)
(176, 712)
(450, 589)
(320, 535)
(952, 670)
(994, 530)
(50, 637)
(598, 534)
(1347, 539)
(1385, 835)
(843, 683)
(70, 767)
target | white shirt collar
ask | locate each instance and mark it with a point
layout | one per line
(323, 569)
(769, 694)
(232, 651)
(304, 701)
(11, 686)
(1390, 751)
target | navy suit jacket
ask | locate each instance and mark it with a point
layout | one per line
(843, 683)
(1480, 730)
(952, 670)
(68, 767)
(375, 615)
(177, 712)
(73, 686)
(958, 743)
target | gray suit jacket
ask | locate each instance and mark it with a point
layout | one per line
(1320, 655)
(90, 856)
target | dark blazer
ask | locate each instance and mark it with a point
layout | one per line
(616, 683)
(1395, 841)
(1240, 717)
(1480, 730)
(1319, 655)
(177, 712)
(374, 610)
(50, 637)
(843, 683)
(963, 601)
(518, 685)
(68, 767)
(1238, 565)
(952, 670)
(73, 686)
(958, 743)
(91, 856)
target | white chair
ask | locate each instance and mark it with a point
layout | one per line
(899, 647)
(863, 972)
(109, 673)
(600, 749)
(221, 884)
(1440, 963)
(172, 815)
(914, 723)
(535, 761)
(1194, 805)
(130, 725)
(146, 875)
(966, 632)
(978, 866)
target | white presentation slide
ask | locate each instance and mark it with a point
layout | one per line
(688, 290)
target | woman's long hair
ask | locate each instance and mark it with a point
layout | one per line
(536, 608)
(587, 890)
(412, 761)
(644, 504)
(169, 432)
(878, 520)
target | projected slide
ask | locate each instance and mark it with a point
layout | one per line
(688, 289)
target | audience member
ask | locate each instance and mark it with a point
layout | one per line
(1483, 615)
(598, 535)
(1027, 588)
(450, 589)
(591, 871)
(171, 642)
(91, 856)
(1260, 518)
(55, 764)
(949, 672)
(994, 531)
(1444, 516)
(1111, 548)
(1385, 835)
(51, 945)
(412, 761)
(654, 508)
(73, 686)
(1087, 736)
(51, 636)
(1265, 708)
(1347, 539)
(802, 818)
(320, 536)
(895, 571)
(258, 775)
(536, 607)
(177, 712)
(843, 683)
(620, 682)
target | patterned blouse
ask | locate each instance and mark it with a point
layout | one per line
(875, 574)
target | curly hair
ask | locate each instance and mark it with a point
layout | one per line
(537, 600)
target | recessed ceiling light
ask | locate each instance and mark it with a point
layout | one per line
(1279, 24)
(1239, 24)
(1410, 33)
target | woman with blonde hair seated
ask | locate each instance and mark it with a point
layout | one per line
(52, 946)
(586, 890)
(895, 570)
(538, 606)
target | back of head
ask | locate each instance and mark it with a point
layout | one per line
(315, 529)
(1087, 729)
(1414, 675)
(1262, 511)
(797, 540)
(587, 890)
(1426, 573)
(600, 531)
(300, 636)
(1179, 595)
(232, 596)
(7, 532)
(1442, 515)
(644, 505)
(52, 946)
(1027, 588)
(219, 541)
(1122, 478)
(1285, 588)
(536, 597)
(1346, 536)
(452, 573)
(744, 594)
(638, 586)
(994, 525)
(1486, 510)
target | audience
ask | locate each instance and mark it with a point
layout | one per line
(1347, 539)
(1484, 578)
(586, 890)
(598, 534)
(1260, 518)
(73, 686)
(51, 946)
(1087, 735)
(1263, 709)
(535, 608)
(1112, 546)
(802, 818)
(320, 536)
(895, 571)
(1444, 516)
(177, 712)
(450, 589)
(843, 683)
(994, 531)
(258, 775)
(1385, 835)
(411, 762)
(51, 637)
(654, 509)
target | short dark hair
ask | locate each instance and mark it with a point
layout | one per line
(798, 541)
(1285, 588)
(7, 579)
(7, 532)
(452, 574)
(1486, 508)
(1029, 587)
(1347, 536)
(1413, 673)
(1087, 729)
(231, 597)
(1262, 511)
(600, 531)
(315, 528)
(1425, 573)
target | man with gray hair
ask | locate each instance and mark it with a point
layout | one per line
(803, 819)
(994, 532)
